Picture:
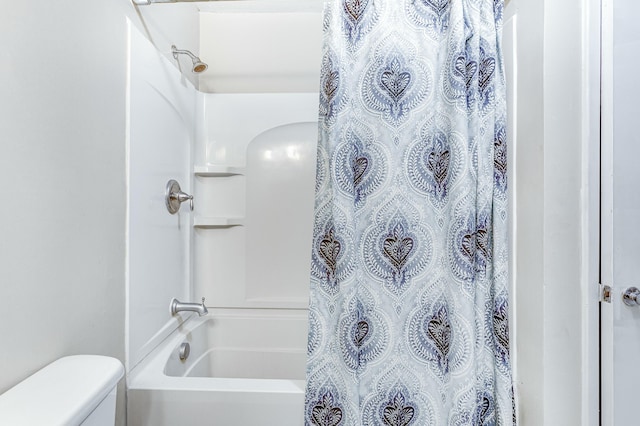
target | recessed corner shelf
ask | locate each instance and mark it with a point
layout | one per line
(208, 222)
(218, 170)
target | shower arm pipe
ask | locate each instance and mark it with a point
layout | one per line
(175, 51)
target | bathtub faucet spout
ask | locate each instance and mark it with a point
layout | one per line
(177, 306)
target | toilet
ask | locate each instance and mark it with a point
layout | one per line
(71, 391)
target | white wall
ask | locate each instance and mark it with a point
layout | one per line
(62, 162)
(272, 51)
(528, 191)
(62, 168)
(166, 24)
(556, 169)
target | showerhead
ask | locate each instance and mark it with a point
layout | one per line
(197, 67)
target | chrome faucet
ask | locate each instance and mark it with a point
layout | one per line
(177, 306)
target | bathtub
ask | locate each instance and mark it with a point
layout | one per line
(245, 368)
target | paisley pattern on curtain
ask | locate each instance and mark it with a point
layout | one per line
(408, 320)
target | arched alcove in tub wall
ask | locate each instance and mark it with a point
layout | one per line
(280, 193)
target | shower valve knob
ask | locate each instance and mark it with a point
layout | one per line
(174, 197)
(182, 197)
(631, 296)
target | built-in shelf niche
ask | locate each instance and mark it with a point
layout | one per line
(218, 171)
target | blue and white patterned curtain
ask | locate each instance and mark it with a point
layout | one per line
(408, 310)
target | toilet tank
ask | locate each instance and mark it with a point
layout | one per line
(74, 390)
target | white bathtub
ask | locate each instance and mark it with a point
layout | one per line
(246, 368)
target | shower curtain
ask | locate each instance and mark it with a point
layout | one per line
(408, 310)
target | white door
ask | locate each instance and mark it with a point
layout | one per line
(620, 250)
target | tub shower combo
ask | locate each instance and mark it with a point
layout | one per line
(221, 214)
(406, 321)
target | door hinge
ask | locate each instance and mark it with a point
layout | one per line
(605, 293)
